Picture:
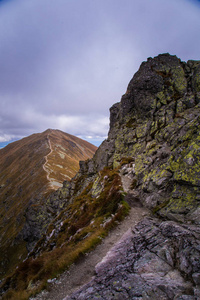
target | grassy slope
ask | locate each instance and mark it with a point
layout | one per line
(63, 161)
(77, 230)
(22, 178)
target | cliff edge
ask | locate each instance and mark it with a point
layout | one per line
(154, 138)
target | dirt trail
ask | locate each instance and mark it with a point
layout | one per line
(82, 272)
(46, 169)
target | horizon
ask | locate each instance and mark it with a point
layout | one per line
(64, 64)
(96, 142)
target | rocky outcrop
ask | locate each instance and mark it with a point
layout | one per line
(156, 125)
(154, 140)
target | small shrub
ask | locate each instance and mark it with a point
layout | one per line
(126, 160)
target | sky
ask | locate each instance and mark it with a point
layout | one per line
(64, 63)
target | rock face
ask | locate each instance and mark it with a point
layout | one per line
(151, 158)
(156, 126)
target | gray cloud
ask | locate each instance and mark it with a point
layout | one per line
(64, 63)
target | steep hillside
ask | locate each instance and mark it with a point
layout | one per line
(29, 170)
(151, 159)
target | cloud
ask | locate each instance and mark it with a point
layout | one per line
(5, 138)
(64, 63)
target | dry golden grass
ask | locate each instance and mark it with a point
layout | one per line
(23, 179)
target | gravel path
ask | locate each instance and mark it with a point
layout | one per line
(82, 272)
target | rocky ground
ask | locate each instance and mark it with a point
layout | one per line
(155, 260)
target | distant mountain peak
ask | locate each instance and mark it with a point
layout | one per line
(65, 152)
(31, 168)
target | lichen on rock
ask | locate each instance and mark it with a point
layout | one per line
(157, 124)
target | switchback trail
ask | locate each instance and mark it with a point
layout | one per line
(82, 272)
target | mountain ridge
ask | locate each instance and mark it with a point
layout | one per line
(28, 172)
(151, 159)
